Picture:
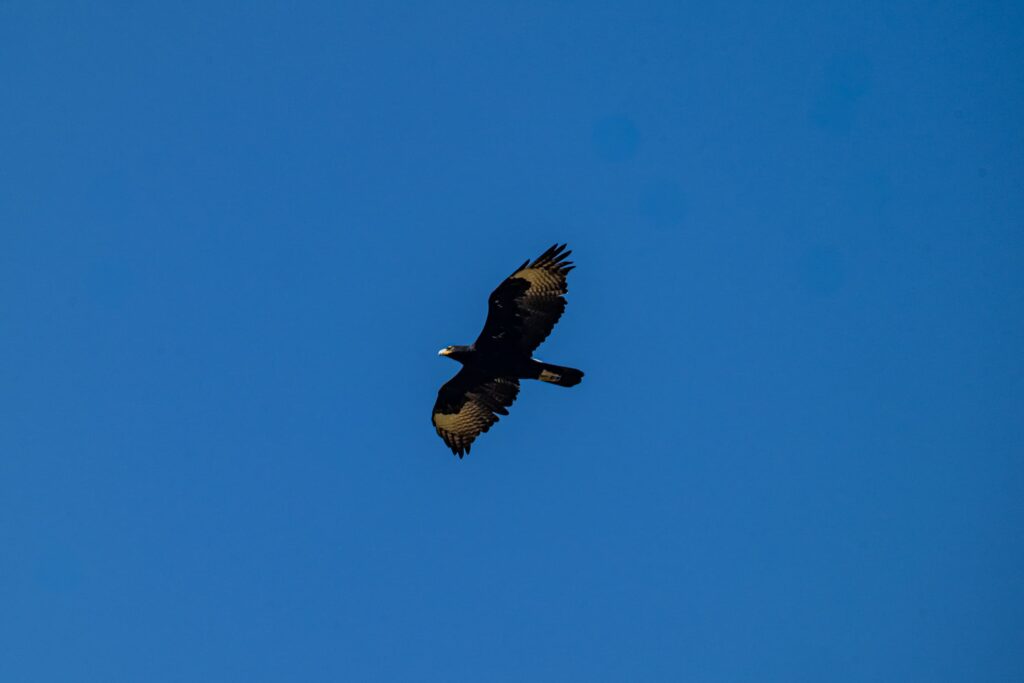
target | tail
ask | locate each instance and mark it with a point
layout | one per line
(557, 374)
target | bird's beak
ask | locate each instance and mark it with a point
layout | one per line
(443, 352)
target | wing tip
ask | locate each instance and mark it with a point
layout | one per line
(555, 255)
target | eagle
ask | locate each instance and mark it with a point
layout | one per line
(521, 313)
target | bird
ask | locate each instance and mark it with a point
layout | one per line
(521, 313)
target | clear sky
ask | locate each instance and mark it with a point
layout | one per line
(233, 237)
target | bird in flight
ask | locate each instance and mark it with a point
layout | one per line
(521, 313)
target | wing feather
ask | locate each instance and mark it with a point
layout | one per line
(468, 404)
(524, 308)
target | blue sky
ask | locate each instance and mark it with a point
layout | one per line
(234, 235)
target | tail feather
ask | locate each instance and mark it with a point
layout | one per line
(560, 375)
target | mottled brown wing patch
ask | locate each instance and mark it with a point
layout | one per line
(467, 406)
(524, 308)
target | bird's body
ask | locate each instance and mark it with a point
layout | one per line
(502, 365)
(521, 313)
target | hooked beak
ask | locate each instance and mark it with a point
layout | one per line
(443, 352)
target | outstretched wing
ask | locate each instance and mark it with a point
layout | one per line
(524, 308)
(468, 404)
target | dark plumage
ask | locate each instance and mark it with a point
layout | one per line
(521, 313)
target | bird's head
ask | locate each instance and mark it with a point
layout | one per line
(455, 352)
